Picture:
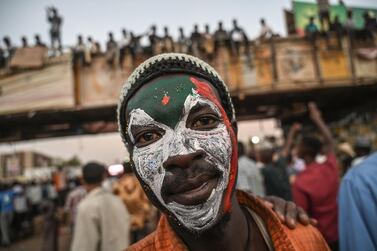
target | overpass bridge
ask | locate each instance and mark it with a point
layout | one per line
(273, 78)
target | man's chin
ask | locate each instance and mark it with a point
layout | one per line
(218, 223)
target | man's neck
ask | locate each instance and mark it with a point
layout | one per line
(308, 160)
(222, 236)
(91, 187)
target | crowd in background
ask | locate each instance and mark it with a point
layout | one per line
(204, 43)
(22, 202)
(307, 169)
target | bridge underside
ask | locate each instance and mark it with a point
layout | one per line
(287, 106)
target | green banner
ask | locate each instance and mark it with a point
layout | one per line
(304, 10)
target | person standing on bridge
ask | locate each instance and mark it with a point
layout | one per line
(55, 30)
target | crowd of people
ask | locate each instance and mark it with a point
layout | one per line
(23, 201)
(202, 44)
(307, 170)
(338, 29)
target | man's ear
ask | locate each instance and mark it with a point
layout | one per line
(235, 128)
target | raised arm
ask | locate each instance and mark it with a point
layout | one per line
(289, 141)
(316, 117)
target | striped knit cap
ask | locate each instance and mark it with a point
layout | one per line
(170, 63)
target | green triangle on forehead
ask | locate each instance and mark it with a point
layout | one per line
(163, 98)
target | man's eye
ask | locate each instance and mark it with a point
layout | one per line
(205, 122)
(147, 138)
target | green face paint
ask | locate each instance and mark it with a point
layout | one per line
(163, 98)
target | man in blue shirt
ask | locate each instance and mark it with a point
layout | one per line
(358, 207)
(6, 209)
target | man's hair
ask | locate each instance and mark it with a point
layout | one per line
(93, 173)
(241, 149)
(312, 145)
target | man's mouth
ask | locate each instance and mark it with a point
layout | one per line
(193, 191)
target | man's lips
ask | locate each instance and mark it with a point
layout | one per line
(192, 191)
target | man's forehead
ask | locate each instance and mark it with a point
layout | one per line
(163, 98)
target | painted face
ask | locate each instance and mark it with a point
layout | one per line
(183, 146)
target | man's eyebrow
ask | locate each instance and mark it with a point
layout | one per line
(198, 107)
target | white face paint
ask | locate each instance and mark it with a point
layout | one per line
(149, 160)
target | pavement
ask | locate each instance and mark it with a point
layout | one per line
(34, 243)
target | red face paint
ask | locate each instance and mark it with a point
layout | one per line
(206, 91)
(165, 100)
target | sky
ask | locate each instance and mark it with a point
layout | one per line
(98, 17)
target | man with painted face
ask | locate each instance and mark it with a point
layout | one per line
(177, 119)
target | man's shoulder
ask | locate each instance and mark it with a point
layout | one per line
(364, 173)
(305, 238)
(147, 243)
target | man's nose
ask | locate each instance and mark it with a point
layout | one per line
(183, 160)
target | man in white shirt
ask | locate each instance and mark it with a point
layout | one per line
(102, 221)
(249, 175)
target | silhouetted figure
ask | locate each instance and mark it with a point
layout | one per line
(51, 227)
(94, 47)
(265, 31)
(238, 38)
(196, 41)
(9, 49)
(311, 30)
(349, 24)
(324, 14)
(135, 47)
(208, 43)
(38, 42)
(2, 58)
(24, 42)
(154, 40)
(80, 56)
(337, 28)
(183, 42)
(221, 38)
(167, 41)
(55, 21)
(370, 26)
(123, 45)
(111, 50)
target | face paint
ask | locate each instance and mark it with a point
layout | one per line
(180, 140)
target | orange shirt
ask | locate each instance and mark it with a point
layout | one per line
(302, 238)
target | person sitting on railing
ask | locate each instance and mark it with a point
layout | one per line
(2, 58)
(370, 26)
(221, 38)
(196, 42)
(208, 43)
(135, 46)
(38, 42)
(324, 14)
(9, 49)
(183, 42)
(311, 30)
(349, 24)
(154, 41)
(123, 45)
(24, 42)
(94, 47)
(81, 54)
(111, 50)
(238, 38)
(265, 31)
(337, 28)
(167, 41)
